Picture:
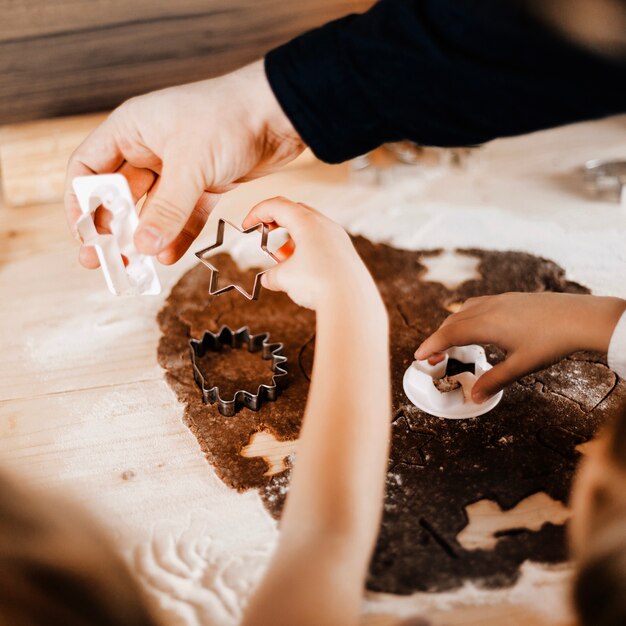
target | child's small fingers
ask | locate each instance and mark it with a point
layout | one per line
(493, 381)
(472, 303)
(88, 258)
(99, 153)
(451, 318)
(270, 227)
(279, 210)
(438, 342)
(433, 359)
(462, 315)
(286, 250)
(192, 228)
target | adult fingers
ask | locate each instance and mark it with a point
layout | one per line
(474, 302)
(443, 338)
(191, 230)
(470, 308)
(140, 180)
(501, 375)
(99, 153)
(88, 258)
(286, 250)
(168, 209)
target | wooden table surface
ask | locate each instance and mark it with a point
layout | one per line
(84, 408)
(74, 56)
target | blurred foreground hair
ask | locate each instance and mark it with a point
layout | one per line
(600, 584)
(58, 568)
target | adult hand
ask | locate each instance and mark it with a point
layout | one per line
(534, 329)
(184, 146)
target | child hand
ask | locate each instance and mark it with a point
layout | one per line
(534, 329)
(318, 263)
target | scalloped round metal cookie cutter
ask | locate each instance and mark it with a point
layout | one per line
(235, 339)
(418, 383)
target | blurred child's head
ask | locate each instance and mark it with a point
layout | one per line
(57, 568)
(598, 24)
(598, 531)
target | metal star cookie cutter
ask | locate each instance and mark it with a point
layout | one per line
(606, 179)
(213, 289)
(235, 339)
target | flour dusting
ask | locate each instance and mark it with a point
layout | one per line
(194, 578)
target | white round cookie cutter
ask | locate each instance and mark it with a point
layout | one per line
(457, 404)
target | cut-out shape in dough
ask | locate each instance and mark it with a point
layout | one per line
(586, 383)
(487, 521)
(560, 440)
(450, 268)
(454, 367)
(274, 452)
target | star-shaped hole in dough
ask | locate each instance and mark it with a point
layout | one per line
(450, 268)
(263, 444)
(214, 287)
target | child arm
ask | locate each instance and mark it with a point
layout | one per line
(534, 329)
(617, 348)
(332, 514)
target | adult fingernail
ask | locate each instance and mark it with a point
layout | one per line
(149, 240)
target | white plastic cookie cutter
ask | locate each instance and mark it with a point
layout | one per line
(419, 385)
(138, 276)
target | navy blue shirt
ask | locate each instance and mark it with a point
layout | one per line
(438, 72)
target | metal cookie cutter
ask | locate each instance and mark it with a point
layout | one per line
(235, 339)
(201, 254)
(455, 403)
(126, 270)
(606, 179)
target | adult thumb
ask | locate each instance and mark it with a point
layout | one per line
(167, 208)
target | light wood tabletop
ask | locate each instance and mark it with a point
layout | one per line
(85, 410)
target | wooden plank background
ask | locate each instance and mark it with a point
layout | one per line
(76, 56)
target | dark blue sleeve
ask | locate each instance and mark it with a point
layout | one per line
(438, 72)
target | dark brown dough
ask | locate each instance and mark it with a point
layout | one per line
(437, 467)
(233, 369)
